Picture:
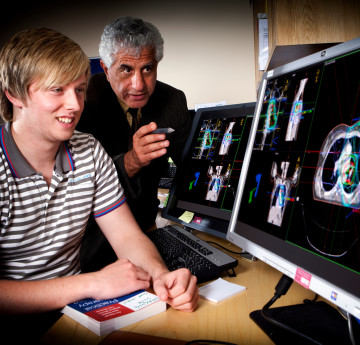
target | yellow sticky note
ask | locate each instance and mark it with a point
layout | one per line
(187, 217)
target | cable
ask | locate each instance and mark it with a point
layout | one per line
(351, 329)
(281, 289)
(306, 300)
(222, 247)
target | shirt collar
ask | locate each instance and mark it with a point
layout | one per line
(19, 165)
(124, 106)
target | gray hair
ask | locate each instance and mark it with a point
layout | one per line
(130, 35)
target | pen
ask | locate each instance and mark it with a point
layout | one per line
(163, 131)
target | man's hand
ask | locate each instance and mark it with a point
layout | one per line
(145, 148)
(178, 288)
(119, 278)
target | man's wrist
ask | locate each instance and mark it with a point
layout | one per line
(131, 167)
(160, 270)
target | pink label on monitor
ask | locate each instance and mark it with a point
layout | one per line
(303, 278)
(197, 220)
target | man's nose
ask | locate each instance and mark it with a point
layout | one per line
(72, 101)
(138, 82)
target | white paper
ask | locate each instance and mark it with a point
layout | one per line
(208, 105)
(263, 43)
(220, 290)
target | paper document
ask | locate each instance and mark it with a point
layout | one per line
(208, 105)
(263, 43)
(220, 290)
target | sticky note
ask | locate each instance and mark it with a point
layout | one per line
(187, 216)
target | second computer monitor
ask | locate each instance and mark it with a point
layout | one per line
(203, 192)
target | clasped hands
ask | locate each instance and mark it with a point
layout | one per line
(177, 288)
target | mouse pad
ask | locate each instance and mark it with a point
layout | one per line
(317, 320)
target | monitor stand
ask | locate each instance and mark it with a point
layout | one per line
(317, 320)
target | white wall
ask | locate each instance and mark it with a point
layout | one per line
(209, 44)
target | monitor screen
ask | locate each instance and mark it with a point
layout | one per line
(203, 191)
(298, 202)
(95, 66)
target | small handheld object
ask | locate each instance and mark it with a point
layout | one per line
(163, 131)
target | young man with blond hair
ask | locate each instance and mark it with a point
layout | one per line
(52, 179)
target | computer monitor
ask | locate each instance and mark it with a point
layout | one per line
(297, 207)
(206, 181)
(95, 66)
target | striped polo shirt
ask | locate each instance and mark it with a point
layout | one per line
(41, 226)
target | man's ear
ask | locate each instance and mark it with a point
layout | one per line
(104, 67)
(14, 100)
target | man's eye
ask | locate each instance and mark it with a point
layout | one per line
(125, 70)
(148, 69)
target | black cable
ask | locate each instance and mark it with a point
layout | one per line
(351, 329)
(222, 247)
(311, 300)
(281, 289)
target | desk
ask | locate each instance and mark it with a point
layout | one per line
(226, 321)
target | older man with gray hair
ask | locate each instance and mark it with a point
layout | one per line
(124, 105)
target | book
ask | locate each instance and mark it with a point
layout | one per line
(105, 316)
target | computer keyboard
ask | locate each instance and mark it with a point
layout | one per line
(179, 248)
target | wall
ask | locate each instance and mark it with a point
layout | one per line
(209, 45)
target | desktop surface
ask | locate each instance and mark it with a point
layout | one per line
(225, 321)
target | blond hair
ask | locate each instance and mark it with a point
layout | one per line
(42, 55)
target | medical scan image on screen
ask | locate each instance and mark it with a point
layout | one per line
(207, 179)
(303, 183)
(213, 169)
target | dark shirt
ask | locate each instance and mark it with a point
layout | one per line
(104, 117)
